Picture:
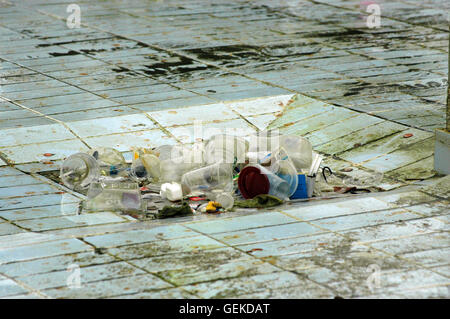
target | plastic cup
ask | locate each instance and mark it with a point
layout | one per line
(298, 148)
(79, 170)
(152, 165)
(179, 160)
(226, 149)
(282, 166)
(256, 179)
(219, 175)
(173, 169)
(265, 141)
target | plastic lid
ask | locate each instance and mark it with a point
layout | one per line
(252, 182)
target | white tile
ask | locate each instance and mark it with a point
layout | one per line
(203, 113)
(127, 141)
(110, 125)
(260, 105)
(191, 133)
(36, 134)
(35, 152)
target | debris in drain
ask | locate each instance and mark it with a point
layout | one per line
(211, 176)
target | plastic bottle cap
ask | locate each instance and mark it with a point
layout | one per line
(252, 182)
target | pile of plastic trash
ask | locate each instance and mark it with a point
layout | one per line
(215, 175)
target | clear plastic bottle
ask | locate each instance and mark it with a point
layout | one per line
(114, 196)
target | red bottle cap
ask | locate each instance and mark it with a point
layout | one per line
(252, 182)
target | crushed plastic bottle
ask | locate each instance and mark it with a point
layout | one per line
(114, 196)
(207, 178)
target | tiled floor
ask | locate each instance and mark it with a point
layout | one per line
(145, 73)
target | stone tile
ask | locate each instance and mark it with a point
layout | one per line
(414, 244)
(35, 152)
(202, 114)
(27, 190)
(57, 279)
(18, 180)
(404, 199)
(346, 207)
(9, 229)
(110, 288)
(396, 230)
(241, 286)
(37, 201)
(287, 246)
(430, 258)
(384, 146)
(196, 132)
(140, 236)
(55, 263)
(10, 288)
(40, 212)
(402, 157)
(431, 209)
(9, 171)
(260, 105)
(41, 250)
(204, 265)
(70, 221)
(165, 247)
(32, 135)
(263, 234)
(365, 219)
(241, 223)
(172, 293)
(121, 142)
(111, 125)
(262, 121)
